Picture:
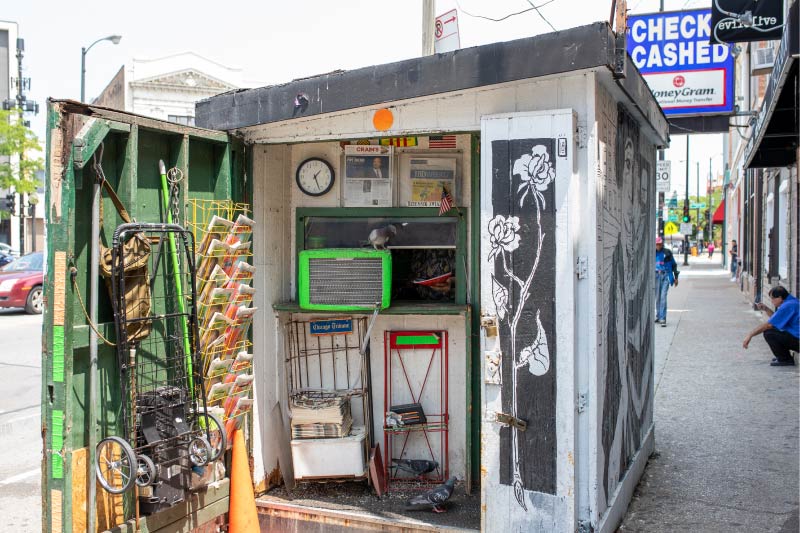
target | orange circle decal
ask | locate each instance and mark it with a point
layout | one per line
(382, 119)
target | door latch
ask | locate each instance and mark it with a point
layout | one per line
(511, 421)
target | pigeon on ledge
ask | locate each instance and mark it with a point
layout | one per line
(380, 236)
(433, 499)
(418, 467)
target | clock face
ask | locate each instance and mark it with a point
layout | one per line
(315, 176)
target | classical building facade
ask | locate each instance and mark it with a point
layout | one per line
(168, 87)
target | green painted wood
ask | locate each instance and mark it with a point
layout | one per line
(87, 142)
(94, 134)
(200, 508)
(401, 308)
(127, 185)
(473, 451)
(47, 388)
(223, 187)
(130, 162)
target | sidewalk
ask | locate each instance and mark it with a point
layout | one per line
(726, 423)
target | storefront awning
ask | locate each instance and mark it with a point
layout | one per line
(719, 214)
(775, 136)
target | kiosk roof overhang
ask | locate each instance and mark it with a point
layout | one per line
(590, 47)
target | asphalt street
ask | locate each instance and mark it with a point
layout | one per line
(726, 422)
(20, 433)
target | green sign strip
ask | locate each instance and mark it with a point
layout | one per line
(407, 340)
(57, 443)
(58, 354)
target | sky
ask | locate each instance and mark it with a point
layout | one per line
(275, 42)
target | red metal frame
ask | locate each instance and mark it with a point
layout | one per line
(437, 421)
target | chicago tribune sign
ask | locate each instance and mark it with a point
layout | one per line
(734, 21)
(686, 73)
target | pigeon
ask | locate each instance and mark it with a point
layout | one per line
(433, 499)
(393, 419)
(300, 103)
(380, 236)
(418, 467)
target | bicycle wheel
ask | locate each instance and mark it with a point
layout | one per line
(215, 434)
(115, 465)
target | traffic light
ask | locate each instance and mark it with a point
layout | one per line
(10, 203)
(686, 217)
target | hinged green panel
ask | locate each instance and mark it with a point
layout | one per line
(131, 147)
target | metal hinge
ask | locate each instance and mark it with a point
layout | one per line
(582, 267)
(582, 401)
(582, 136)
(511, 421)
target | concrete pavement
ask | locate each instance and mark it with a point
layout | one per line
(20, 421)
(726, 423)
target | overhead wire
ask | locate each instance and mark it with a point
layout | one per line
(532, 8)
(541, 15)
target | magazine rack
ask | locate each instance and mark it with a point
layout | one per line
(416, 386)
(326, 371)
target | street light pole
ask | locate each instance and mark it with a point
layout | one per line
(686, 207)
(114, 39)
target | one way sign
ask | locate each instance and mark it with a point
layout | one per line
(446, 33)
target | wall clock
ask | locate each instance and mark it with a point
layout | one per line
(315, 176)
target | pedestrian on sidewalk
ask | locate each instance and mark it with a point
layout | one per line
(782, 329)
(734, 251)
(710, 250)
(666, 275)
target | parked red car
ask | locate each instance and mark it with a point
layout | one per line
(21, 283)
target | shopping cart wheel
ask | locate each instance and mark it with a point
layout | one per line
(215, 435)
(145, 471)
(200, 451)
(115, 465)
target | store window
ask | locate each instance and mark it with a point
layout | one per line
(428, 252)
(770, 232)
(783, 207)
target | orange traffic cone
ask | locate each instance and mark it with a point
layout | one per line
(242, 515)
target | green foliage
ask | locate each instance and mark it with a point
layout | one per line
(17, 139)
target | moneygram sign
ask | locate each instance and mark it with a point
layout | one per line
(686, 73)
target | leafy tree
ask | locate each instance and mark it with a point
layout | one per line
(15, 139)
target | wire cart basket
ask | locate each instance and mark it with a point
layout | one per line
(167, 430)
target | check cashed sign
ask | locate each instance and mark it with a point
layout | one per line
(686, 73)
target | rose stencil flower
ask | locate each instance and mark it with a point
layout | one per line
(503, 235)
(536, 172)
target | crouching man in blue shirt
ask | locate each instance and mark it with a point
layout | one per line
(782, 330)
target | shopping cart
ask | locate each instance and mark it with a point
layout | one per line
(167, 431)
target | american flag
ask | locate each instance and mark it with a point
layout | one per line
(442, 141)
(446, 203)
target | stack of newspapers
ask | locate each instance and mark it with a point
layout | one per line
(320, 416)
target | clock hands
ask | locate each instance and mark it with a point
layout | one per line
(319, 187)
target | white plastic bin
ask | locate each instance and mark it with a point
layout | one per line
(320, 458)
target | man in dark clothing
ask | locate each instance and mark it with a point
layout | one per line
(782, 329)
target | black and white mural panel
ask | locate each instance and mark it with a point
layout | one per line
(626, 195)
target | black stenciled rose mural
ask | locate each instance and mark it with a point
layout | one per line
(522, 239)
